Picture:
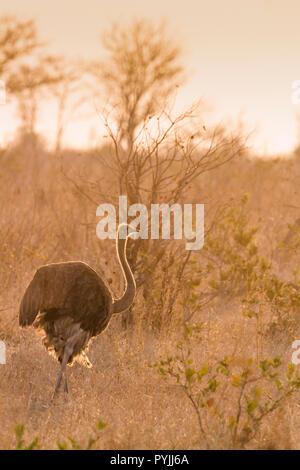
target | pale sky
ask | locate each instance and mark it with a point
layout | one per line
(242, 56)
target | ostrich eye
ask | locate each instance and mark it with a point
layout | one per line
(61, 337)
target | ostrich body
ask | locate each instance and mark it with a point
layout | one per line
(72, 304)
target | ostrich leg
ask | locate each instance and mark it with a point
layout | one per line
(63, 368)
(66, 389)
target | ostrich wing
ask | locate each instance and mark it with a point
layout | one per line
(33, 299)
(72, 289)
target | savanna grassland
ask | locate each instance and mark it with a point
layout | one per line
(204, 360)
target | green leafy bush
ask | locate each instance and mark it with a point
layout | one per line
(253, 390)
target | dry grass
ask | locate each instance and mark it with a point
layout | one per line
(44, 218)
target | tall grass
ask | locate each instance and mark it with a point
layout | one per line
(48, 214)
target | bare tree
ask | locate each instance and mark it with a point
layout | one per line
(168, 155)
(154, 154)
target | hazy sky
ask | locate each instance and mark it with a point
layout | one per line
(242, 56)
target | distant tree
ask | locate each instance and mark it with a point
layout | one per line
(18, 39)
(29, 83)
(141, 71)
(31, 76)
(71, 93)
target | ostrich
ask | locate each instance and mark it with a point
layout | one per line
(72, 304)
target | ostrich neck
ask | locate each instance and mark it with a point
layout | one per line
(119, 305)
